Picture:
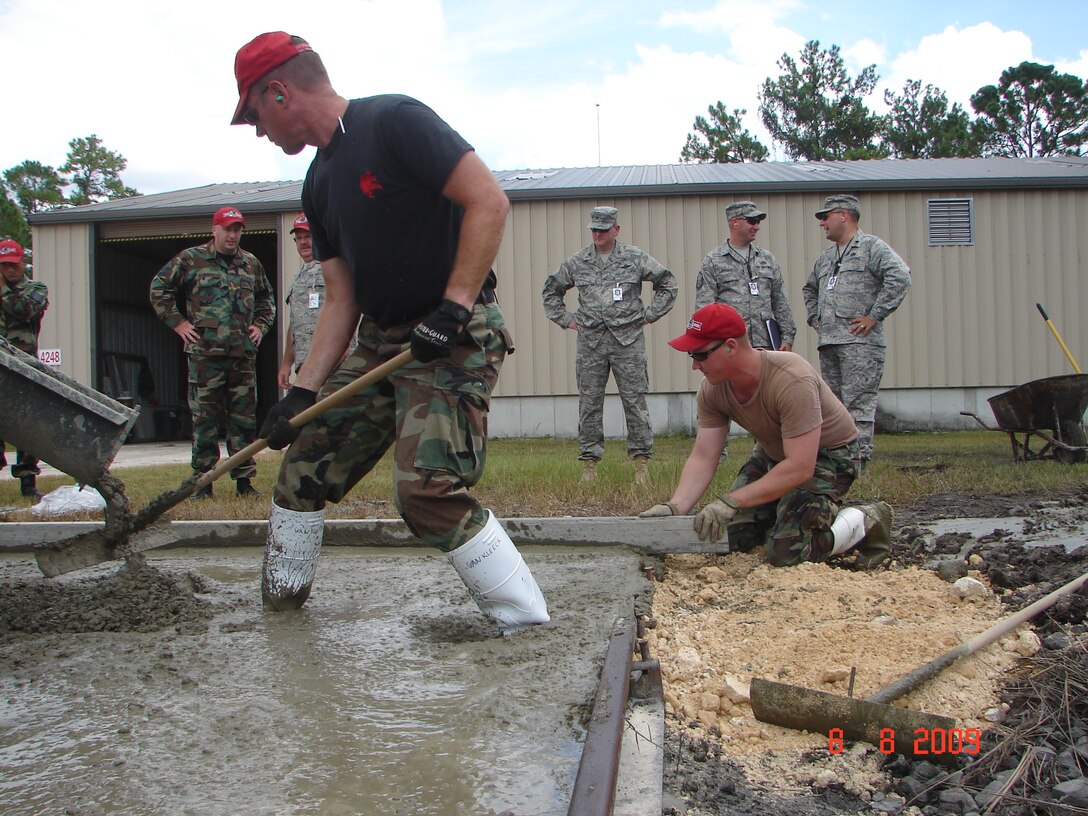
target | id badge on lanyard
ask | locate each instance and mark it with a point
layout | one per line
(831, 281)
(753, 286)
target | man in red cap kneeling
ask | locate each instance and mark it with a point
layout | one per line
(788, 495)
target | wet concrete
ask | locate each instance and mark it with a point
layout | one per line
(388, 693)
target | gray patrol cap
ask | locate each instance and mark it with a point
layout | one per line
(602, 218)
(743, 209)
(840, 202)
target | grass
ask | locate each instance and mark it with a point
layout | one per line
(542, 477)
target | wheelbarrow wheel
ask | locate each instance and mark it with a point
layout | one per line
(1070, 456)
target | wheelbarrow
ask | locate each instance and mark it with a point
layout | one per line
(1049, 411)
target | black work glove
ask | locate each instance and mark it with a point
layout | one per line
(277, 428)
(436, 336)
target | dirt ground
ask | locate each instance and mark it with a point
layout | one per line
(722, 620)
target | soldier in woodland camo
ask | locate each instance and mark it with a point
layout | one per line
(229, 307)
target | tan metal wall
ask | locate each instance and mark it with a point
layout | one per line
(969, 319)
(62, 261)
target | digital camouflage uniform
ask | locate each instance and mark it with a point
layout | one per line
(869, 279)
(750, 283)
(610, 336)
(22, 306)
(435, 416)
(221, 301)
(303, 305)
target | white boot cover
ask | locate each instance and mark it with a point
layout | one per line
(290, 557)
(848, 528)
(499, 580)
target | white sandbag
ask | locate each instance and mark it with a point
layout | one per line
(69, 499)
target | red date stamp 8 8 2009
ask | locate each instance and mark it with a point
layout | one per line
(926, 741)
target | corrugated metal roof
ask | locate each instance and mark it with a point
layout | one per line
(639, 180)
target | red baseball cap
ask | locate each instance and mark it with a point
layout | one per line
(11, 252)
(227, 216)
(715, 321)
(301, 223)
(256, 58)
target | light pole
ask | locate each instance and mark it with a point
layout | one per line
(598, 134)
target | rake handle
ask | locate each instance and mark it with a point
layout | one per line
(333, 400)
(911, 681)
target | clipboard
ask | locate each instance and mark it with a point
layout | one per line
(774, 333)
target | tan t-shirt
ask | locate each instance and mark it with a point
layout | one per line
(790, 400)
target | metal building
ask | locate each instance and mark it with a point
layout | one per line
(986, 239)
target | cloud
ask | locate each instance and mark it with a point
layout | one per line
(959, 61)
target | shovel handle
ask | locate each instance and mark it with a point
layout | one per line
(911, 681)
(336, 398)
(1058, 337)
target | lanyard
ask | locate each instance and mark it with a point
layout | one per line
(831, 281)
(753, 284)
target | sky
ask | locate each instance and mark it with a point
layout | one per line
(531, 85)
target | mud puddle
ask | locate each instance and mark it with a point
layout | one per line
(389, 693)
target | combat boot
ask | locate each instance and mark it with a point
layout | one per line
(29, 487)
(243, 487)
(642, 470)
(204, 493)
(589, 470)
(874, 549)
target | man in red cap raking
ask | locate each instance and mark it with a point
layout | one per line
(406, 221)
(228, 308)
(788, 495)
(23, 302)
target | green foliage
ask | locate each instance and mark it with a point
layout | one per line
(34, 186)
(1034, 111)
(12, 223)
(921, 125)
(815, 110)
(94, 172)
(722, 139)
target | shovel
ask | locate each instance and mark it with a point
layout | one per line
(111, 542)
(871, 719)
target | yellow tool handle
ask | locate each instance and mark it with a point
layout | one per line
(1058, 337)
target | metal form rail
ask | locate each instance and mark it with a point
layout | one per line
(622, 678)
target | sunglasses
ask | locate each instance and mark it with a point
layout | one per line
(700, 356)
(250, 117)
(824, 216)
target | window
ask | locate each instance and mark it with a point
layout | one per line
(951, 221)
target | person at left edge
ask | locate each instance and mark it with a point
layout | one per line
(406, 221)
(23, 302)
(229, 308)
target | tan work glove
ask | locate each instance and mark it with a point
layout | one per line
(711, 521)
(658, 510)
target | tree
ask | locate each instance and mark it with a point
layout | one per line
(921, 126)
(722, 139)
(1034, 111)
(95, 172)
(34, 186)
(816, 111)
(12, 222)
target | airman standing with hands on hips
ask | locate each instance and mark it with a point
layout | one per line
(788, 496)
(610, 319)
(855, 284)
(228, 309)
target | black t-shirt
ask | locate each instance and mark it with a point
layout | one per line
(374, 198)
